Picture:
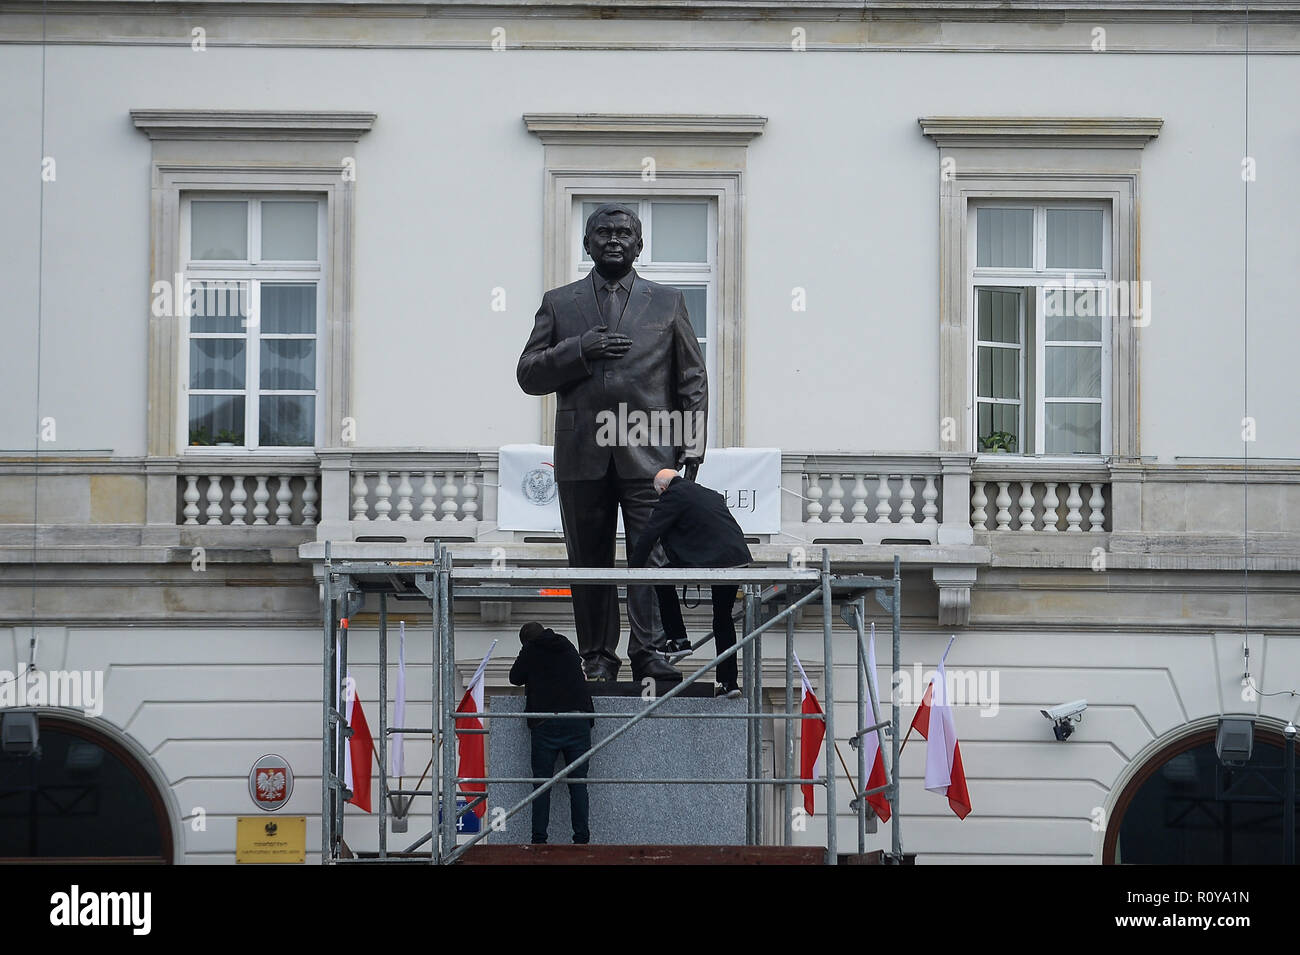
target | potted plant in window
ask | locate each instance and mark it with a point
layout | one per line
(999, 442)
(199, 437)
(228, 439)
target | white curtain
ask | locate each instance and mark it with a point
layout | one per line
(1004, 238)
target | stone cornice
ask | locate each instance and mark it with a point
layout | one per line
(1115, 132)
(245, 124)
(1027, 10)
(983, 26)
(588, 129)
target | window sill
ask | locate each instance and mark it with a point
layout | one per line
(236, 451)
(200, 460)
(1050, 460)
(1015, 467)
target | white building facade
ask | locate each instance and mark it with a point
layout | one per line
(1008, 288)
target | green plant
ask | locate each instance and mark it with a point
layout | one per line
(226, 436)
(998, 441)
(200, 436)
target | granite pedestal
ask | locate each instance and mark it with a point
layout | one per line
(629, 813)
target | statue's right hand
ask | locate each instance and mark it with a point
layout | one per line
(599, 343)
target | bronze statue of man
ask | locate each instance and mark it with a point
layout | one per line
(616, 348)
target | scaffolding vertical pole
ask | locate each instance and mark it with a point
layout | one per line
(456, 691)
(828, 656)
(327, 717)
(896, 842)
(754, 704)
(756, 617)
(788, 826)
(859, 615)
(383, 725)
(440, 706)
(751, 764)
(450, 784)
(340, 728)
(439, 710)
(434, 713)
(345, 727)
(864, 658)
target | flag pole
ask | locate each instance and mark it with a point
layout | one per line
(848, 775)
(411, 799)
(909, 733)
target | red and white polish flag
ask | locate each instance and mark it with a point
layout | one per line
(359, 748)
(875, 756)
(812, 733)
(944, 773)
(469, 746)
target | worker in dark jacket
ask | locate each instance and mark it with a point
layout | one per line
(549, 668)
(697, 530)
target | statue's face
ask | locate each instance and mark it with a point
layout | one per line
(613, 243)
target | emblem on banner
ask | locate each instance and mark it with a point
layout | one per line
(539, 485)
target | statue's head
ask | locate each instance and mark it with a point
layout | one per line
(613, 237)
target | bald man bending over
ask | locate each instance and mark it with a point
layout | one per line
(697, 530)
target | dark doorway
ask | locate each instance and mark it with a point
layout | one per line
(1185, 808)
(82, 797)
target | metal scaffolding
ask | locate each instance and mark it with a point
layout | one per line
(772, 595)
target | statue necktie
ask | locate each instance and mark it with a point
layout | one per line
(610, 308)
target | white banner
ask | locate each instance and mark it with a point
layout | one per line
(527, 497)
(749, 479)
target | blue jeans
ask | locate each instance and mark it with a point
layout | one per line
(568, 738)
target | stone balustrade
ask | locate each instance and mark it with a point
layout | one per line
(875, 498)
(1039, 506)
(273, 498)
(406, 496)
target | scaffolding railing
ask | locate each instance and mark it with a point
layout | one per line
(347, 583)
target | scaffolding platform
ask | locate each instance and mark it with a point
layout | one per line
(772, 595)
(643, 855)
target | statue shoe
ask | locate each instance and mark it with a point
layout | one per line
(657, 668)
(599, 674)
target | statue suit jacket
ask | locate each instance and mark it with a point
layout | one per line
(662, 371)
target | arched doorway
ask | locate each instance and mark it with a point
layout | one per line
(82, 797)
(1184, 808)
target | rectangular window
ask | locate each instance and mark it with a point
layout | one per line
(680, 249)
(1040, 297)
(1000, 363)
(252, 363)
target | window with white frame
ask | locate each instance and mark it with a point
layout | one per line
(251, 361)
(1040, 299)
(681, 250)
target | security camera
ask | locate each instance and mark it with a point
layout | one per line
(1066, 710)
(1064, 717)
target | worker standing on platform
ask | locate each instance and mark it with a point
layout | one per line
(697, 530)
(550, 670)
